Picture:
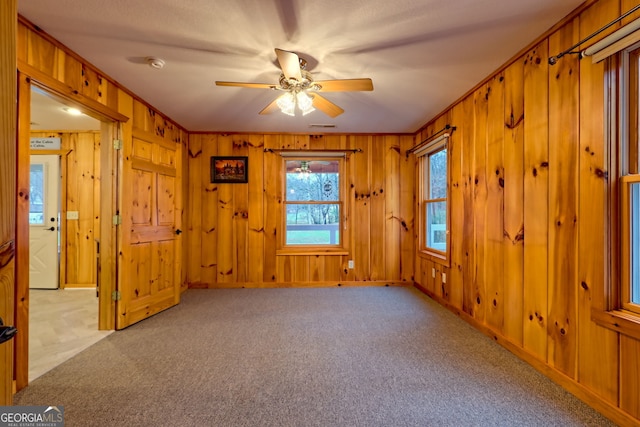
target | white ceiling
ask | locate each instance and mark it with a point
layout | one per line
(422, 55)
(48, 113)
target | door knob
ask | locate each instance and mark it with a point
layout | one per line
(51, 229)
(178, 231)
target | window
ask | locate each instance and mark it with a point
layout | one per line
(36, 194)
(617, 306)
(630, 184)
(434, 212)
(313, 202)
(631, 242)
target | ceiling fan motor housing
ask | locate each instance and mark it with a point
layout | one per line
(293, 85)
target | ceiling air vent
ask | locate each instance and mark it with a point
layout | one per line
(321, 126)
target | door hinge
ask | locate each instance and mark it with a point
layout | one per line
(117, 220)
(115, 296)
(117, 144)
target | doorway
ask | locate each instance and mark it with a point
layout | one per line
(63, 232)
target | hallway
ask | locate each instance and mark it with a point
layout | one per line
(62, 323)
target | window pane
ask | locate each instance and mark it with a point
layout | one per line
(317, 224)
(312, 180)
(36, 194)
(436, 226)
(438, 175)
(634, 250)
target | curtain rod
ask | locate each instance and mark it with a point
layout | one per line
(415, 147)
(554, 59)
(302, 152)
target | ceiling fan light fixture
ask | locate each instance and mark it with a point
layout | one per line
(290, 100)
(287, 104)
(300, 89)
(305, 103)
(308, 110)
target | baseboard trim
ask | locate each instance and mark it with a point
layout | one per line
(610, 411)
(78, 286)
(327, 284)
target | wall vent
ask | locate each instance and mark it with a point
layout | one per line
(321, 126)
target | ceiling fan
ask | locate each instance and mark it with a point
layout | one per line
(300, 90)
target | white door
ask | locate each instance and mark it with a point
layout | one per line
(44, 209)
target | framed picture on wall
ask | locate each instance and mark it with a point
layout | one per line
(229, 169)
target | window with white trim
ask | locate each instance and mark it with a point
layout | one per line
(313, 201)
(433, 189)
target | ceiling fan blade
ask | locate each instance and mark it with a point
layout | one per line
(251, 85)
(326, 106)
(290, 64)
(347, 85)
(273, 106)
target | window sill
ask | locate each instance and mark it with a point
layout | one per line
(311, 251)
(622, 321)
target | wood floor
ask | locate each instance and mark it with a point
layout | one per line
(62, 323)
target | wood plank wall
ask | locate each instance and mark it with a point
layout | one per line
(8, 84)
(528, 219)
(80, 192)
(233, 228)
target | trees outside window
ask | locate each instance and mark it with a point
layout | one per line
(313, 201)
(433, 192)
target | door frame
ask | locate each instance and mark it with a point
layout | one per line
(109, 171)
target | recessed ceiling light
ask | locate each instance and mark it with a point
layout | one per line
(73, 111)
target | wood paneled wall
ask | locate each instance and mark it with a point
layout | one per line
(8, 14)
(80, 192)
(528, 197)
(233, 228)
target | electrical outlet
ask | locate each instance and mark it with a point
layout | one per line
(444, 277)
(351, 264)
(72, 214)
(433, 273)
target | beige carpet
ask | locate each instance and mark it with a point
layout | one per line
(304, 357)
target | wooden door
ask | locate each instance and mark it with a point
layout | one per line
(148, 255)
